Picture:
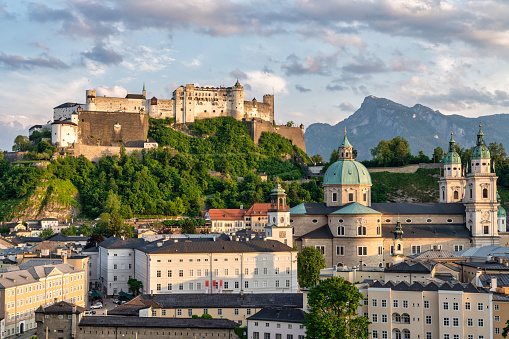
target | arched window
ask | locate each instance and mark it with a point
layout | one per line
(396, 318)
(455, 194)
(399, 247)
(485, 193)
(405, 318)
(396, 334)
(406, 334)
(443, 195)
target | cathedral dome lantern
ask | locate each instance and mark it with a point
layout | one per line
(480, 150)
(452, 157)
(481, 157)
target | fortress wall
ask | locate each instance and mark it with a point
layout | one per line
(108, 104)
(105, 128)
(259, 110)
(94, 153)
(403, 169)
(294, 134)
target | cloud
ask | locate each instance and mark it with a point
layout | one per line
(264, 83)
(404, 64)
(320, 64)
(302, 89)
(347, 107)
(19, 62)
(101, 54)
(115, 91)
(40, 45)
(363, 65)
(10, 130)
(238, 74)
(144, 58)
(335, 87)
(193, 63)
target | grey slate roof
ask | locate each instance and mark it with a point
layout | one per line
(428, 231)
(290, 315)
(419, 208)
(61, 307)
(485, 265)
(107, 321)
(218, 246)
(193, 300)
(434, 254)
(483, 252)
(39, 262)
(411, 267)
(319, 208)
(68, 104)
(113, 242)
(63, 238)
(323, 232)
(432, 286)
(502, 279)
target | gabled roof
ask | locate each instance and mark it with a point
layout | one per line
(117, 243)
(411, 267)
(432, 286)
(502, 279)
(67, 104)
(258, 209)
(289, 315)
(435, 254)
(62, 238)
(355, 208)
(61, 307)
(226, 214)
(323, 232)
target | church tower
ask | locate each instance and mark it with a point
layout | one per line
(452, 183)
(397, 254)
(278, 217)
(345, 151)
(481, 197)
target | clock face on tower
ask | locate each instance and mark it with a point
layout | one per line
(282, 234)
(486, 216)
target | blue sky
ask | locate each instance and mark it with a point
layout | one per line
(321, 58)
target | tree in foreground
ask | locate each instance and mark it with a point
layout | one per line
(309, 263)
(135, 286)
(333, 311)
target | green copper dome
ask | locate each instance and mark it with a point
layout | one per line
(501, 211)
(347, 172)
(480, 150)
(452, 157)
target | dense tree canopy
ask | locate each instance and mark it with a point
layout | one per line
(333, 311)
(309, 263)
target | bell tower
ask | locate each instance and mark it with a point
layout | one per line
(397, 254)
(345, 150)
(452, 183)
(481, 205)
(278, 217)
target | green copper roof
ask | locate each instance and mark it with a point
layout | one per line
(480, 151)
(347, 172)
(398, 233)
(299, 209)
(452, 157)
(278, 189)
(345, 142)
(356, 208)
(501, 211)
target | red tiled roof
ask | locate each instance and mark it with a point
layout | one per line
(227, 214)
(258, 209)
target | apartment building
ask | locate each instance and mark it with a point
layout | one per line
(23, 291)
(226, 220)
(428, 311)
(278, 323)
(217, 266)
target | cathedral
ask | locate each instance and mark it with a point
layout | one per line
(350, 230)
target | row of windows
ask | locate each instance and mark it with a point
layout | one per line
(361, 230)
(41, 297)
(468, 306)
(41, 286)
(256, 335)
(350, 197)
(226, 272)
(205, 311)
(227, 259)
(236, 285)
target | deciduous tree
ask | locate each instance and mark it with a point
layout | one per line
(333, 311)
(309, 262)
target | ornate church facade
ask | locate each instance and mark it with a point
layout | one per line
(350, 230)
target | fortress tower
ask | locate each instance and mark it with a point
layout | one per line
(236, 101)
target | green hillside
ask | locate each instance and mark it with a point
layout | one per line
(421, 186)
(173, 180)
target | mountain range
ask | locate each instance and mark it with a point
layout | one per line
(423, 128)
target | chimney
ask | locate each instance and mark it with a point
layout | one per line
(241, 207)
(493, 284)
(159, 244)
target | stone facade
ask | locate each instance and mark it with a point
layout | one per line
(468, 214)
(294, 134)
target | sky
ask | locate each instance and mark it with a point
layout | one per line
(319, 58)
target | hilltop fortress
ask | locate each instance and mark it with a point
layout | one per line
(110, 122)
